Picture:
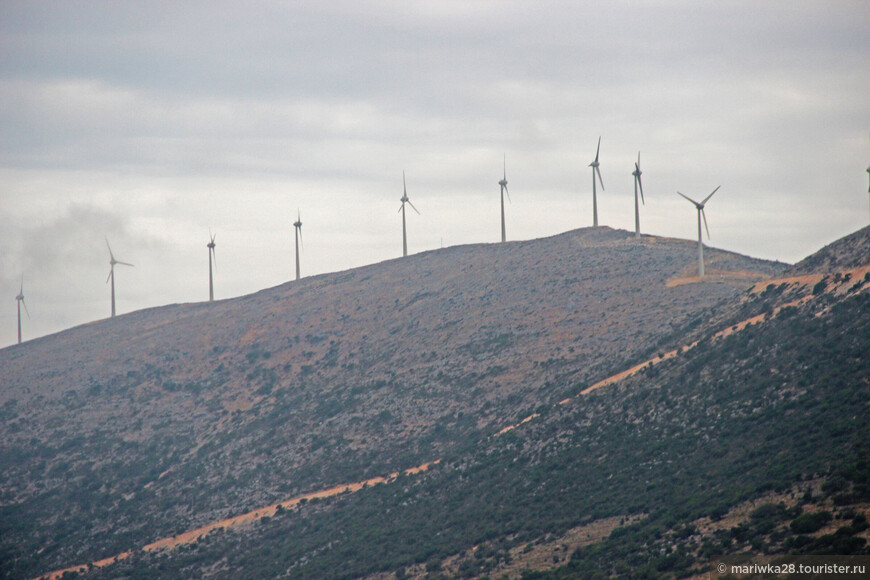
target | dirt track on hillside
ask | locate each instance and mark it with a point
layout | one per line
(239, 520)
(844, 285)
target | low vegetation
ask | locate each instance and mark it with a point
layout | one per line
(774, 413)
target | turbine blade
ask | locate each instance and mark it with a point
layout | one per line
(640, 185)
(704, 215)
(690, 199)
(412, 207)
(111, 255)
(301, 244)
(25, 307)
(508, 194)
(110, 274)
(598, 150)
(404, 187)
(400, 207)
(124, 263)
(711, 195)
(504, 167)
(601, 181)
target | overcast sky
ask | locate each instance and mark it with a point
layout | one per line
(151, 122)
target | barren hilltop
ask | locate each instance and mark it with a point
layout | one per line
(530, 380)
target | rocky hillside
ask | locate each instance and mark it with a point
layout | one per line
(850, 252)
(125, 431)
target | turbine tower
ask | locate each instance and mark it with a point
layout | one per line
(504, 190)
(112, 262)
(700, 208)
(298, 228)
(211, 256)
(637, 183)
(594, 166)
(405, 200)
(20, 300)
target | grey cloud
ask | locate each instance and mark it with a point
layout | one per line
(126, 118)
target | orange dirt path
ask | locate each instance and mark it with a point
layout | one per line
(720, 275)
(857, 275)
(239, 520)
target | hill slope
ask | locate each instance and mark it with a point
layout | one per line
(193, 413)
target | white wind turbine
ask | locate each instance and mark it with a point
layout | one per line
(20, 300)
(112, 262)
(700, 208)
(298, 230)
(595, 170)
(405, 200)
(637, 183)
(504, 190)
(211, 256)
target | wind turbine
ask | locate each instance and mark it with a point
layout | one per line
(405, 200)
(298, 228)
(594, 166)
(504, 190)
(211, 256)
(112, 262)
(20, 300)
(700, 208)
(637, 183)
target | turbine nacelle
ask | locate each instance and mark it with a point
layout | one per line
(637, 173)
(212, 255)
(594, 165)
(113, 261)
(20, 301)
(298, 224)
(404, 199)
(20, 297)
(597, 151)
(503, 181)
(111, 276)
(700, 208)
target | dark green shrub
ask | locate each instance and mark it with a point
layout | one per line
(809, 522)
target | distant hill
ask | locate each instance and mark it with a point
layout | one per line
(125, 431)
(849, 252)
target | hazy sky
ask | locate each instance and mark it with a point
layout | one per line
(151, 122)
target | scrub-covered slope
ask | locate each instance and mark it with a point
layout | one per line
(124, 431)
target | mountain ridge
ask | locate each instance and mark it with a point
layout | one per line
(467, 381)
